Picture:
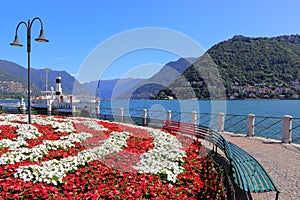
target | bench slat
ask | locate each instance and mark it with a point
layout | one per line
(263, 180)
(247, 161)
(183, 127)
(243, 182)
(264, 177)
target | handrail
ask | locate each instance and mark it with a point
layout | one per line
(264, 126)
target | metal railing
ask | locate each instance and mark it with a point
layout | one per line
(296, 130)
(263, 126)
(268, 126)
(236, 123)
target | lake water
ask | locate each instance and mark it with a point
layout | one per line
(268, 113)
(270, 108)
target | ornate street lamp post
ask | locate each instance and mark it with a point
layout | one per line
(16, 42)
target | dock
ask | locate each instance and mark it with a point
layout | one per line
(12, 107)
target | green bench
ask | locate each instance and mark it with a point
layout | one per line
(247, 172)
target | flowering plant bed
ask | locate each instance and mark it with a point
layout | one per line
(80, 158)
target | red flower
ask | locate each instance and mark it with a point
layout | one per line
(8, 132)
(113, 176)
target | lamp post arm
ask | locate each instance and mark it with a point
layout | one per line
(22, 22)
(37, 18)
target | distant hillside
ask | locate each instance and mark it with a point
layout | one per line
(13, 81)
(254, 60)
(17, 76)
(244, 61)
(111, 88)
(146, 89)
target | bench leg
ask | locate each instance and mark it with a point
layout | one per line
(277, 195)
(215, 149)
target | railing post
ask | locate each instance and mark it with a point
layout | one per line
(49, 110)
(23, 107)
(98, 112)
(250, 125)
(221, 121)
(169, 114)
(121, 114)
(74, 111)
(287, 129)
(194, 118)
(144, 117)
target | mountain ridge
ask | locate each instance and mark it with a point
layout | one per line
(146, 89)
(242, 62)
(250, 68)
(13, 73)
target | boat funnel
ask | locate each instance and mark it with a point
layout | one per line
(58, 90)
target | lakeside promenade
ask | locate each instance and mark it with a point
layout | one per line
(281, 161)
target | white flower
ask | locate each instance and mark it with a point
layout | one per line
(39, 151)
(53, 171)
(165, 158)
(93, 125)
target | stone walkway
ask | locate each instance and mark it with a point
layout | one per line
(281, 161)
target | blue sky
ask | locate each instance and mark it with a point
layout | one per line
(75, 28)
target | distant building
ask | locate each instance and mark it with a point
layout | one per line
(252, 95)
(260, 84)
(295, 83)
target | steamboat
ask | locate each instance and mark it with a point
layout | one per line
(55, 102)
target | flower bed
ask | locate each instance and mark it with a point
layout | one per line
(78, 158)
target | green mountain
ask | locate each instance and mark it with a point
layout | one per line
(11, 84)
(13, 81)
(255, 60)
(243, 62)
